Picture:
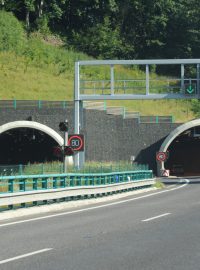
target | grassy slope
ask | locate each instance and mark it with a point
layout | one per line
(180, 109)
(20, 79)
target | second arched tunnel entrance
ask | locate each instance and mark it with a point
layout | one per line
(184, 153)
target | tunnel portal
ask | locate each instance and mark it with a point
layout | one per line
(26, 145)
(184, 158)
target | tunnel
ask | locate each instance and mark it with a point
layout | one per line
(26, 145)
(24, 142)
(183, 157)
(182, 147)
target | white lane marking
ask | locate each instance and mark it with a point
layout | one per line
(25, 255)
(92, 208)
(152, 218)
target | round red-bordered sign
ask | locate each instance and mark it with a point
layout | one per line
(76, 141)
(161, 156)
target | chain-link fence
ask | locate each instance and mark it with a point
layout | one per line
(57, 167)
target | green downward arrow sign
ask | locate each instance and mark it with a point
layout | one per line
(190, 89)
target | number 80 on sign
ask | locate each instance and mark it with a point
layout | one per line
(76, 141)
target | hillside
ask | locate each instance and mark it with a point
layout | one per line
(20, 80)
(35, 69)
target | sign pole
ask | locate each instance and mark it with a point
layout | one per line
(63, 126)
(64, 156)
(182, 78)
(198, 80)
(77, 110)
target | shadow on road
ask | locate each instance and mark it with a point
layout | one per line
(177, 181)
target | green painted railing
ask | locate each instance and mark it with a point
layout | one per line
(22, 183)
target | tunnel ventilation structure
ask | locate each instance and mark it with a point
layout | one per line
(183, 147)
(23, 142)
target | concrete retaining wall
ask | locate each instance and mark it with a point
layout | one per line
(108, 137)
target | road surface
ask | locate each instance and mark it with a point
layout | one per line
(156, 230)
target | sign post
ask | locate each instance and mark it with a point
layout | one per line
(63, 126)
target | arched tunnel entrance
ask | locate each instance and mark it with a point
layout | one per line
(26, 145)
(183, 147)
(184, 152)
(28, 142)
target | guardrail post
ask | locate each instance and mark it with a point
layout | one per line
(93, 180)
(35, 180)
(15, 103)
(104, 180)
(64, 105)
(39, 104)
(71, 181)
(55, 182)
(22, 184)
(44, 183)
(62, 182)
(101, 178)
(11, 185)
(157, 119)
(85, 180)
(105, 105)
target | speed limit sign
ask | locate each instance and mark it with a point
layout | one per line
(161, 156)
(76, 142)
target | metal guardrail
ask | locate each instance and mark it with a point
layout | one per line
(35, 188)
(39, 104)
(10, 184)
(114, 110)
(91, 105)
(156, 119)
(137, 86)
(32, 104)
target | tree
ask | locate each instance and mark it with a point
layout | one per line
(101, 40)
(29, 7)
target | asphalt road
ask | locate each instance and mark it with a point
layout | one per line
(156, 230)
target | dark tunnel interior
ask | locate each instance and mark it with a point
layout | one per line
(26, 145)
(184, 154)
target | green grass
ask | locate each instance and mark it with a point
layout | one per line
(50, 76)
(57, 168)
(180, 109)
(27, 82)
(159, 184)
